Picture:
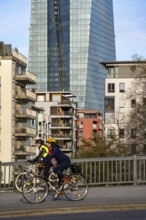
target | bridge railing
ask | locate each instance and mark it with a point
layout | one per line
(98, 171)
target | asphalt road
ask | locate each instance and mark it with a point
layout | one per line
(98, 199)
(114, 215)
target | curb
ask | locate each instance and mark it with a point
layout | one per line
(58, 211)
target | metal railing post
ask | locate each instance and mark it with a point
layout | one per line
(134, 170)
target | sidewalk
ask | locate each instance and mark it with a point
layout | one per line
(98, 199)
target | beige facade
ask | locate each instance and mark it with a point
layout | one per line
(16, 112)
(60, 119)
(123, 79)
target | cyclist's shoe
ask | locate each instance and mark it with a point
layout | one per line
(74, 179)
(65, 180)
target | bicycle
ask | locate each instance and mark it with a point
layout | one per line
(31, 171)
(36, 189)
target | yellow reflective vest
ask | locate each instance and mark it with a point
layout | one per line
(46, 150)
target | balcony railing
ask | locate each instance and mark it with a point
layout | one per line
(61, 125)
(26, 96)
(28, 78)
(25, 131)
(25, 113)
(62, 136)
(62, 115)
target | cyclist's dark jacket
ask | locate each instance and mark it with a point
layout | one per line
(58, 155)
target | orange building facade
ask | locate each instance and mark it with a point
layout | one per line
(89, 121)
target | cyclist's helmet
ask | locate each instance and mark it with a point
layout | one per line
(51, 140)
(39, 141)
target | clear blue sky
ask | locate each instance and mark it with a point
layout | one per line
(129, 18)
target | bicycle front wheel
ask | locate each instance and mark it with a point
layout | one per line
(35, 190)
(77, 187)
(20, 180)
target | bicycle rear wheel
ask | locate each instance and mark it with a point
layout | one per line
(20, 180)
(77, 187)
(35, 190)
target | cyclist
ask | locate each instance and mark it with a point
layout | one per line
(43, 153)
(63, 161)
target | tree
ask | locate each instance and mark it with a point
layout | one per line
(129, 116)
(136, 119)
(96, 146)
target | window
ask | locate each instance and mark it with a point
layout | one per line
(40, 98)
(144, 135)
(110, 133)
(133, 148)
(144, 87)
(144, 148)
(121, 133)
(109, 117)
(94, 131)
(122, 87)
(111, 87)
(33, 122)
(81, 124)
(133, 133)
(144, 102)
(133, 103)
(94, 124)
(56, 98)
(109, 103)
(90, 115)
(122, 102)
(113, 72)
(80, 133)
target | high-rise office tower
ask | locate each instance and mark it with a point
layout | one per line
(68, 40)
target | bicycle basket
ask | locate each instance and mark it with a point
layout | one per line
(75, 168)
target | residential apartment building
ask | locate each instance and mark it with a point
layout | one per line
(16, 105)
(125, 104)
(61, 119)
(89, 122)
(68, 40)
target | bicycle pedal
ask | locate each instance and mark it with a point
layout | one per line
(57, 195)
(74, 188)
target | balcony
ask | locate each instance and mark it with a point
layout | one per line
(62, 136)
(25, 132)
(24, 78)
(25, 113)
(61, 115)
(23, 153)
(100, 127)
(25, 96)
(58, 112)
(61, 126)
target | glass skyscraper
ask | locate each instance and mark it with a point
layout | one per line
(68, 41)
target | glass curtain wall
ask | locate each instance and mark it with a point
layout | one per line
(38, 41)
(58, 45)
(91, 42)
(49, 44)
(68, 41)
